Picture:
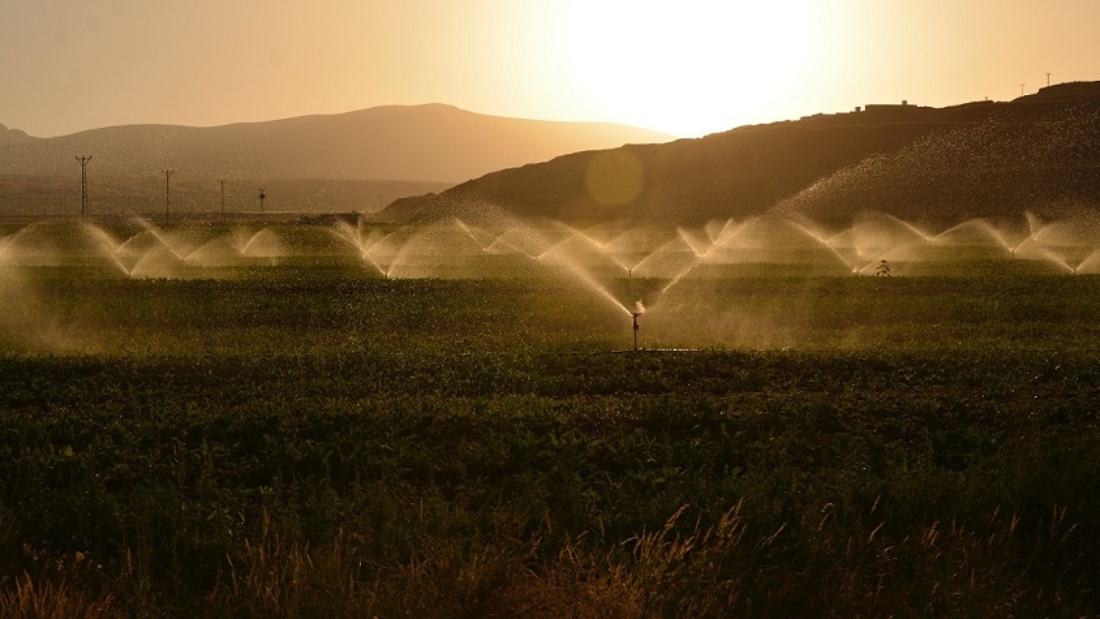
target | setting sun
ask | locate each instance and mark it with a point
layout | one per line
(688, 66)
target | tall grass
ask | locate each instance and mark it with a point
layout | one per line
(936, 569)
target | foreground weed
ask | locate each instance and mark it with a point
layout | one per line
(44, 599)
(277, 577)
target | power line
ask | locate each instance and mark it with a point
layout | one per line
(83, 184)
(167, 195)
(222, 181)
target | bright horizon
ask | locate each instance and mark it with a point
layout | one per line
(687, 68)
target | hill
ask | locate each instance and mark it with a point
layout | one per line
(1039, 153)
(432, 146)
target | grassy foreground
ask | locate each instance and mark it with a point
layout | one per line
(322, 445)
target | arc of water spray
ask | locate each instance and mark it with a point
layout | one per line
(980, 223)
(470, 233)
(149, 227)
(112, 247)
(600, 248)
(724, 237)
(671, 250)
(552, 249)
(824, 242)
(989, 230)
(354, 237)
(551, 254)
(5, 243)
(1000, 238)
(629, 256)
(9, 241)
(254, 238)
(694, 245)
(1057, 260)
(499, 245)
(722, 232)
(369, 248)
(399, 256)
(908, 226)
(591, 282)
(1035, 227)
(1087, 262)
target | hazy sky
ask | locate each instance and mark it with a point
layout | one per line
(686, 67)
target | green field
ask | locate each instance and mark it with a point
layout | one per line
(313, 439)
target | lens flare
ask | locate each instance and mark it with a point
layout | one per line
(615, 177)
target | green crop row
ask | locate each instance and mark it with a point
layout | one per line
(344, 446)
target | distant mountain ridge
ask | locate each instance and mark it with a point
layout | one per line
(432, 142)
(1039, 153)
(356, 161)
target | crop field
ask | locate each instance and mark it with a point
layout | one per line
(276, 435)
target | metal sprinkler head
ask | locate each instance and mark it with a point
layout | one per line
(635, 315)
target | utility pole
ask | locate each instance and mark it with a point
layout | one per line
(84, 184)
(168, 195)
(262, 196)
(222, 182)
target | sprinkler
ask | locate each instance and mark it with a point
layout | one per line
(635, 316)
(638, 306)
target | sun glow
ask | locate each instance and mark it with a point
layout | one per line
(688, 66)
